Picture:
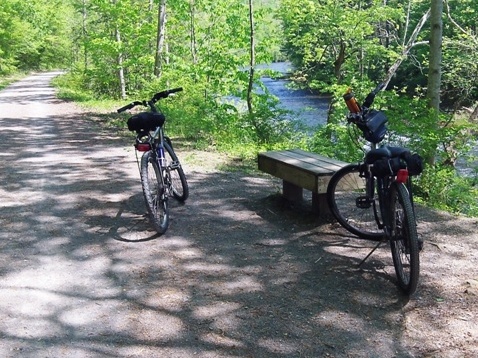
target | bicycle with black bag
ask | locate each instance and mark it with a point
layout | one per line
(162, 175)
(373, 199)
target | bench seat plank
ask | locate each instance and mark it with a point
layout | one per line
(307, 170)
(300, 170)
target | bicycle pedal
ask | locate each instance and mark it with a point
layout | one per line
(363, 202)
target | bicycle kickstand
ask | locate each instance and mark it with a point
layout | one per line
(370, 253)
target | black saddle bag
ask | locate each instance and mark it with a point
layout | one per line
(145, 121)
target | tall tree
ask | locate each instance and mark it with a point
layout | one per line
(252, 58)
(192, 31)
(160, 38)
(435, 56)
(434, 71)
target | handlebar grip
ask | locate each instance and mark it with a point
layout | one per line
(166, 93)
(174, 90)
(128, 106)
(371, 96)
(131, 105)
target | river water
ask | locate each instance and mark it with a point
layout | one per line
(311, 108)
(306, 106)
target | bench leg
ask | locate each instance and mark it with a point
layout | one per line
(319, 203)
(291, 191)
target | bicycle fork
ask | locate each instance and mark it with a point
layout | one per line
(165, 169)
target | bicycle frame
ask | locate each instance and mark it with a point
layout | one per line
(378, 188)
(156, 140)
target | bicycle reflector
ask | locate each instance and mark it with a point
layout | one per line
(142, 147)
(402, 176)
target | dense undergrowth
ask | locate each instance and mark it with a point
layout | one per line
(219, 126)
(214, 125)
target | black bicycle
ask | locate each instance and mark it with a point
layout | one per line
(161, 173)
(373, 199)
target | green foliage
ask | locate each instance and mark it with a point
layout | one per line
(332, 40)
(34, 35)
(441, 188)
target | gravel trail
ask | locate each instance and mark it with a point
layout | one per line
(240, 272)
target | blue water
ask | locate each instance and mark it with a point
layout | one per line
(307, 107)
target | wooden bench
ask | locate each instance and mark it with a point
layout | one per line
(300, 170)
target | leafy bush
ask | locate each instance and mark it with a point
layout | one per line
(442, 188)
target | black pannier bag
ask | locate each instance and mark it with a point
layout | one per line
(374, 127)
(391, 166)
(415, 164)
(145, 121)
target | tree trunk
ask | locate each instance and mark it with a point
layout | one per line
(120, 66)
(252, 59)
(434, 71)
(161, 34)
(192, 30)
(85, 36)
(339, 61)
(120, 60)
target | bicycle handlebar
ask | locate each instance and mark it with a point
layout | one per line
(371, 96)
(154, 99)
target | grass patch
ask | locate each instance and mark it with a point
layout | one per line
(7, 80)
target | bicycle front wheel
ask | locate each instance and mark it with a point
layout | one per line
(404, 239)
(154, 193)
(346, 196)
(179, 183)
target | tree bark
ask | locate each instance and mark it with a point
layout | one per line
(252, 58)
(434, 71)
(120, 66)
(85, 36)
(192, 14)
(160, 38)
(120, 61)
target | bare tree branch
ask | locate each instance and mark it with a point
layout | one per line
(410, 44)
(470, 35)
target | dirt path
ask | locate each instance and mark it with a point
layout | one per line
(240, 273)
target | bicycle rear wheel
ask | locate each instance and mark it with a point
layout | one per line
(154, 193)
(344, 193)
(404, 239)
(179, 183)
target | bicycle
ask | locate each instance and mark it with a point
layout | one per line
(373, 199)
(161, 173)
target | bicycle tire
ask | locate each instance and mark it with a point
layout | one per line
(179, 183)
(154, 193)
(404, 239)
(343, 190)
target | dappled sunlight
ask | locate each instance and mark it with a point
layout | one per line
(169, 299)
(239, 272)
(281, 346)
(222, 340)
(215, 310)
